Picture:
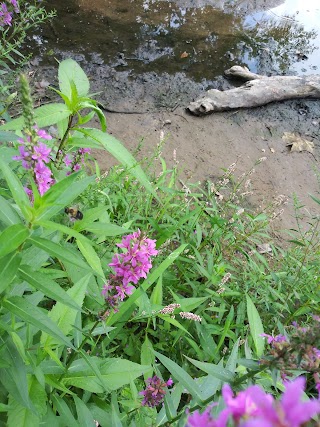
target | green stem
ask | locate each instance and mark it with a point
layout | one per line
(63, 140)
(74, 354)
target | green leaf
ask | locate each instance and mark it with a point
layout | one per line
(114, 147)
(46, 115)
(256, 327)
(58, 251)
(66, 415)
(105, 229)
(189, 304)
(70, 71)
(35, 316)
(232, 360)
(8, 136)
(61, 195)
(83, 142)
(14, 378)
(49, 287)
(157, 293)
(115, 372)
(12, 237)
(8, 269)
(8, 215)
(50, 225)
(181, 375)
(90, 255)
(19, 416)
(214, 370)
(301, 310)
(85, 418)
(97, 110)
(63, 316)
(147, 357)
(16, 188)
(315, 199)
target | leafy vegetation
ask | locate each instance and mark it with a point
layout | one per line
(143, 299)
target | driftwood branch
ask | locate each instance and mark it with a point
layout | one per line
(259, 90)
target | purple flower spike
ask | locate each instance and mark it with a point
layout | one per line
(5, 16)
(154, 392)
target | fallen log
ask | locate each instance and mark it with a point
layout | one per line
(259, 90)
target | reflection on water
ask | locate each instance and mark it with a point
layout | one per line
(198, 37)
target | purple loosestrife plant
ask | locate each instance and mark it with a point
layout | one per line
(254, 407)
(155, 391)
(130, 266)
(297, 352)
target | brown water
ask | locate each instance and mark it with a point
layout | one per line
(200, 38)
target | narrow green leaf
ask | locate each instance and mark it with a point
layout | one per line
(8, 269)
(225, 331)
(147, 357)
(63, 316)
(85, 418)
(14, 378)
(115, 372)
(58, 251)
(115, 147)
(190, 304)
(181, 375)
(66, 415)
(315, 199)
(157, 293)
(35, 316)
(256, 327)
(8, 215)
(101, 228)
(12, 237)
(214, 370)
(61, 195)
(55, 226)
(232, 360)
(16, 188)
(49, 287)
(46, 115)
(90, 255)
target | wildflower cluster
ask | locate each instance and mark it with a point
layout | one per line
(129, 267)
(298, 352)
(7, 10)
(34, 154)
(155, 391)
(254, 407)
(75, 161)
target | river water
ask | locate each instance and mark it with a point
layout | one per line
(198, 37)
(151, 54)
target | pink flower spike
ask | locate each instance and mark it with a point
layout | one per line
(5, 15)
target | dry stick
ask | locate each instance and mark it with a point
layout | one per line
(258, 91)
